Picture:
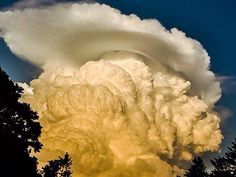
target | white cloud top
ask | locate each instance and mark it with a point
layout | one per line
(123, 96)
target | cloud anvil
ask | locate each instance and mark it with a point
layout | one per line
(121, 95)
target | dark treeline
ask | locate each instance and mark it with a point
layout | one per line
(19, 136)
(224, 166)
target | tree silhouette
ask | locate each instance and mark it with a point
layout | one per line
(19, 132)
(225, 166)
(58, 168)
(198, 169)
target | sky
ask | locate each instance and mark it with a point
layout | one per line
(210, 22)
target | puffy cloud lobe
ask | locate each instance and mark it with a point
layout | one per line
(140, 108)
(120, 121)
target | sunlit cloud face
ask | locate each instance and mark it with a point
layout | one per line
(123, 96)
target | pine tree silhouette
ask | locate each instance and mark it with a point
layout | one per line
(225, 166)
(19, 132)
(58, 168)
(198, 169)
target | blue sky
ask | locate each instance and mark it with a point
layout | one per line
(211, 22)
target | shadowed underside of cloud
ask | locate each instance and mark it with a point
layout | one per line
(122, 95)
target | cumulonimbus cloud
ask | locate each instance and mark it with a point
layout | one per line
(122, 95)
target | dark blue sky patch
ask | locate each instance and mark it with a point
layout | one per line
(18, 69)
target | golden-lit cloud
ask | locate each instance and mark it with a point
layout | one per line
(124, 96)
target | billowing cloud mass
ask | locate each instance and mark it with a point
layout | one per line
(124, 96)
